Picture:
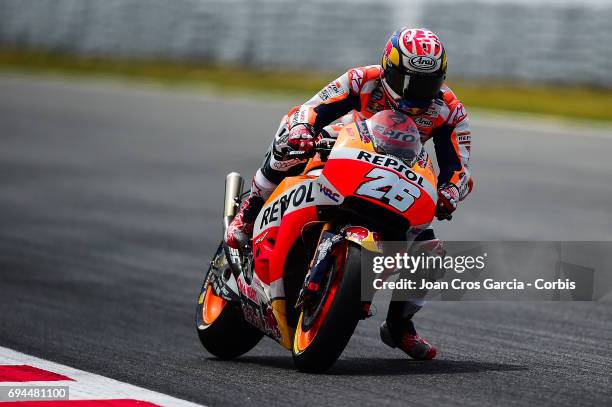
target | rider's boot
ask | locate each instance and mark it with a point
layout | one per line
(408, 340)
(240, 229)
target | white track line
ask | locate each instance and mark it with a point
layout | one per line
(86, 386)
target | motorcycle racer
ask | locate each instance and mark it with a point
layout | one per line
(409, 79)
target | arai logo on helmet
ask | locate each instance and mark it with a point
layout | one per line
(423, 63)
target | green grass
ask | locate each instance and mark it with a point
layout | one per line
(560, 102)
(170, 73)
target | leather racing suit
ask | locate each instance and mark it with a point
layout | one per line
(358, 95)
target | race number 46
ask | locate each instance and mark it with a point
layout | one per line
(388, 187)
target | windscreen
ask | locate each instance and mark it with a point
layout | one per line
(396, 134)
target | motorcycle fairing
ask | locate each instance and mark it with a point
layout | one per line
(257, 307)
(294, 203)
(353, 153)
(293, 206)
(278, 225)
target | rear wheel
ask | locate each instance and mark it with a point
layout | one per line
(324, 328)
(221, 327)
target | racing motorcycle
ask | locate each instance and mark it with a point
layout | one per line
(298, 280)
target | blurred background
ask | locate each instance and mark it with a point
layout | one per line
(503, 54)
(119, 120)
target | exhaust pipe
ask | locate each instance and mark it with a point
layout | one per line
(233, 190)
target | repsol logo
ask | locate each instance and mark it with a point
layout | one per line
(394, 134)
(423, 63)
(294, 199)
(391, 163)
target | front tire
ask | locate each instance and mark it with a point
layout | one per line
(320, 342)
(222, 329)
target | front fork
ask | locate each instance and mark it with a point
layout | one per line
(324, 257)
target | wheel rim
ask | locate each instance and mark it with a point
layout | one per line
(211, 306)
(303, 338)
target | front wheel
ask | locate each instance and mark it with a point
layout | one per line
(324, 328)
(222, 329)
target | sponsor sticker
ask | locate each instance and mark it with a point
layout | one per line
(386, 161)
(261, 317)
(306, 194)
(423, 122)
(328, 192)
(423, 63)
(364, 133)
(458, 115)
(356, 80)
(246, 290)
(391, 163)
(261, 238)
(423, 158)
(283, 165)
(464, 139)
(331, 91)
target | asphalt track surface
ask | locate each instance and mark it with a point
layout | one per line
(110, 206)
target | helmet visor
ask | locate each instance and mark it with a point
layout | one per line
(412, 86)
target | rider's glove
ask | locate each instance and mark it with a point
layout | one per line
(448, 197)
(324, 143)
(301, 141)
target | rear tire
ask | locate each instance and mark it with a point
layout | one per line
(340, 321)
